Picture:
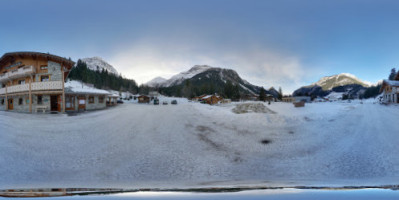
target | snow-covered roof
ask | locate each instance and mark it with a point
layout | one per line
(207, 96)
(391, 82)
(78, 87)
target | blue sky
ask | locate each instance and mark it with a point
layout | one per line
(285, 43)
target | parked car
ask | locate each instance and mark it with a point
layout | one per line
(174, 102)
(165, 103)
(119, 101)
(156, 101)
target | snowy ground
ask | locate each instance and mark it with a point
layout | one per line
(195, 145)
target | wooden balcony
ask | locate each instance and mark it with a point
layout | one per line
(36, 86)
(18, 88)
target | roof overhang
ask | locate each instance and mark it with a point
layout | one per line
(9, 57)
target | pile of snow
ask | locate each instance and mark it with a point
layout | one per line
(94, 62)
(72, 86)
(251, 107)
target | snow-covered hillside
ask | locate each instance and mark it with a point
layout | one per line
(95, 62)
(195, 145)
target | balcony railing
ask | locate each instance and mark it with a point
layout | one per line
(36, 86)
(18, 88)
(21, 72)
(51, 85)
(4, 77)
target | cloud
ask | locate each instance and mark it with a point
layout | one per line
(148, 58)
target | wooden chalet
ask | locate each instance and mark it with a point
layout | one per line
(33, 81)
(211, 99)
(143, 99)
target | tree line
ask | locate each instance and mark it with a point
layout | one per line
(189, 90)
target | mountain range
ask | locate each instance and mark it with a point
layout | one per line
(202, 76)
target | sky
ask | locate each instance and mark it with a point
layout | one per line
(280, 43)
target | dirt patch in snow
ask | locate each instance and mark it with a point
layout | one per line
(252, 107)
(204, 129)
(265, 141)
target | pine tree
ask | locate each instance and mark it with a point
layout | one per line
(262, 94)
(393, 74)
(280, 93)
(236, 93)
(229, 89)
(187, 89)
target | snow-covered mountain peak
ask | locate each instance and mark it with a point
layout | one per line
(179, 78)
(329, 82)
(94, 62)
(157, 81)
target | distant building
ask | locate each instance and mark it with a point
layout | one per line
(153, 94)
(288, 99)
(250, 97)
(198, 98)
(306, 99)
(211, 99)
(143, 99)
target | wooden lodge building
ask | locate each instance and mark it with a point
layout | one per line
(35, 82)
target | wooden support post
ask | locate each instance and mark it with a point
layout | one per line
(30, 94)
(63, 89)
(6, 98)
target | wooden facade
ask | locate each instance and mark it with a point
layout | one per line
(31, 81)
(390, 91)
(211, 99)
(143, 99)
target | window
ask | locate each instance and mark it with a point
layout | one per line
(43, 67)
(21, 82)
(69, 101)
(91, 99)
(101, 99)
(45, 78)
(2, 101)
(39, 99)
(20, 101)
(27, 100)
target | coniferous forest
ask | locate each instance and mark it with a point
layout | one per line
(102, 78)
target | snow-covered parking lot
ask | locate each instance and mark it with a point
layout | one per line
(196, 145)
